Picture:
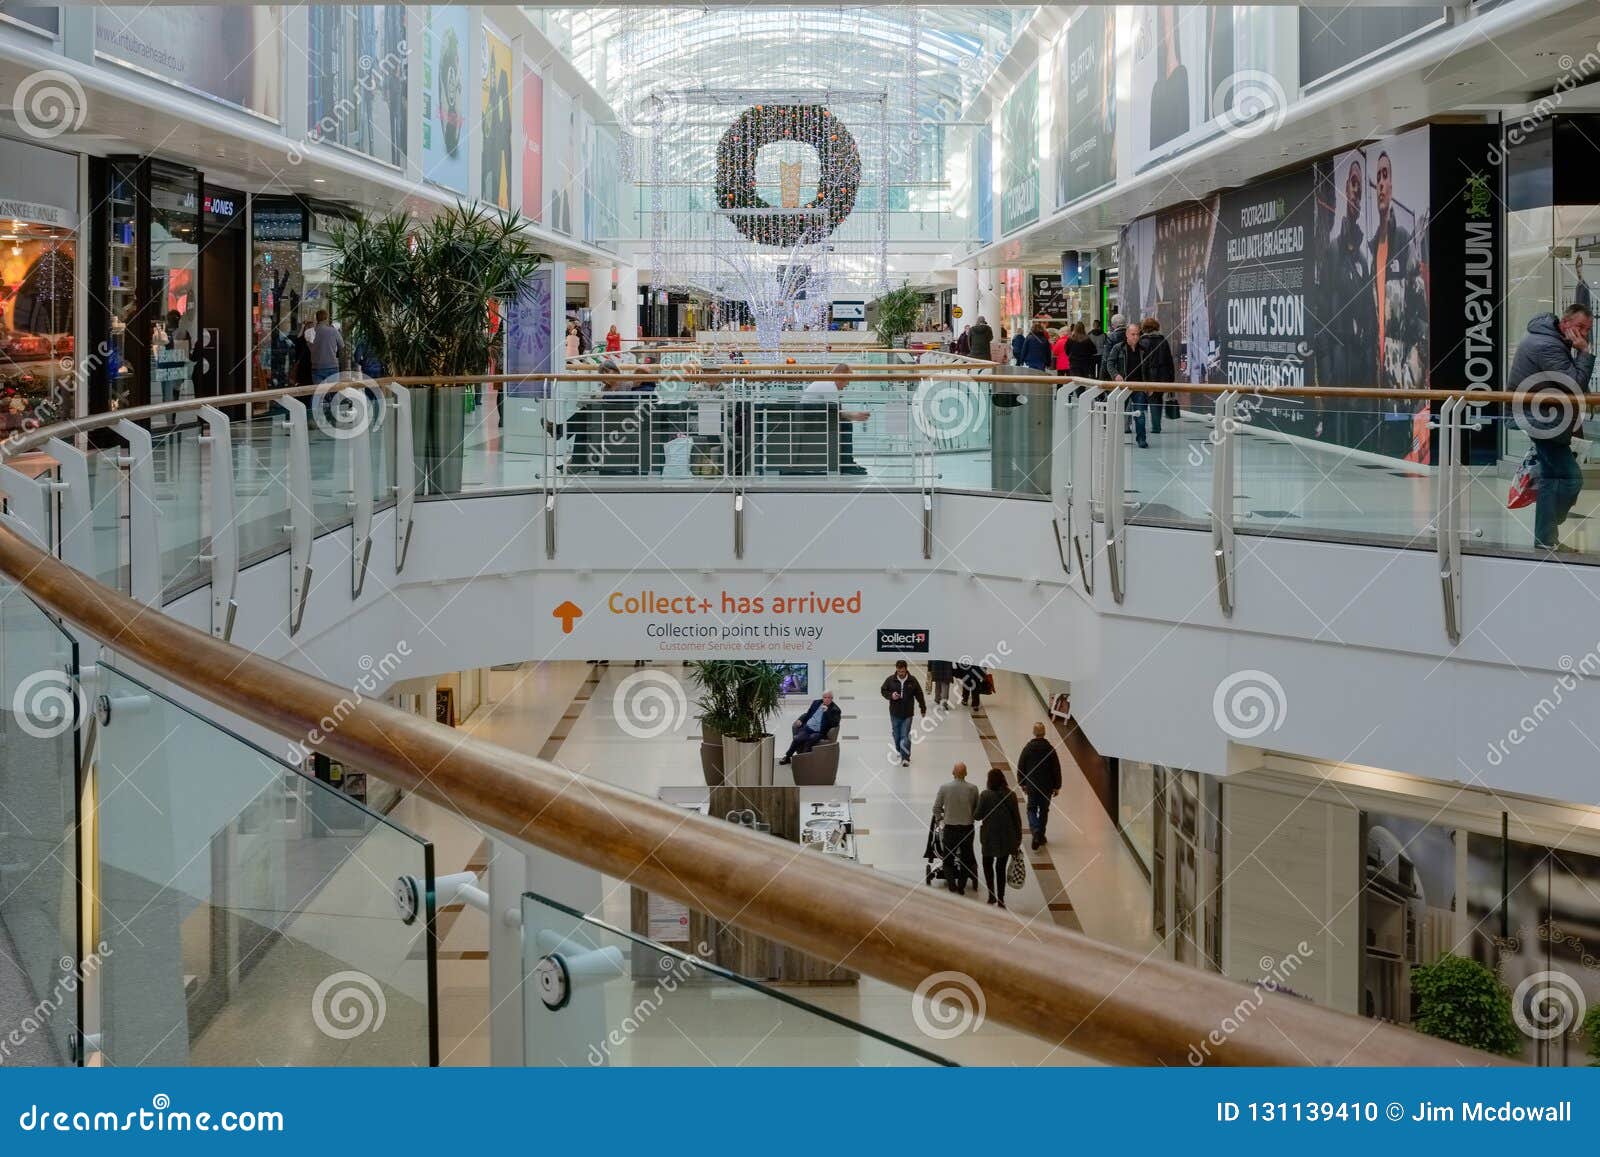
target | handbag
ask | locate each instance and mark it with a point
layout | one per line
(1016, 870)
(1525, 483)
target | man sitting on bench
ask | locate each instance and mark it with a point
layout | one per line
(813, 727)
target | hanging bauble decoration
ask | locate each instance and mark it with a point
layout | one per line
(838, 181)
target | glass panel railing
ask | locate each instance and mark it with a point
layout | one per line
(1560, 514)
(331, 485)
(43, 712)
(1167, 481)
(1332, 468)
(251, 915)
(178, 470)
(595, 995)
(260, 481)
(108, 520)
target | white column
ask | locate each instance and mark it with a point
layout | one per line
(989, 299)
(966, 297)
(628, 301)
(601, 316)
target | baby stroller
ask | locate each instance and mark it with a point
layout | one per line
(934, 854)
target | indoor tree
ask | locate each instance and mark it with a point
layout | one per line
(418, 295)
(1463, 1000)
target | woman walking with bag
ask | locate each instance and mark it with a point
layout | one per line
(1000, 835)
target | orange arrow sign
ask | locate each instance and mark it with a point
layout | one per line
(568, 612)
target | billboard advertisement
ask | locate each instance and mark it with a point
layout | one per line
(445, 48)
(495, 109)
(357, 63)
(1084, 84)
(1333, 39)
(528, 335)
(605, 182)
(231, 54)
(560, 158)
(532, 143)
(1019, 155)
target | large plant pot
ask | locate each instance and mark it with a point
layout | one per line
(711, 763)
(748, 762)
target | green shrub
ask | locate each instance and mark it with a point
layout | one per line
(1463, 1001)
(1591, 1029)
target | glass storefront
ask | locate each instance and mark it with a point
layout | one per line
(291, 276)
(38, 266)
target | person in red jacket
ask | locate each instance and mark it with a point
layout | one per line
(613, 340)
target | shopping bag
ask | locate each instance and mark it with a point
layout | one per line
(1017, 870)
(1524, 484)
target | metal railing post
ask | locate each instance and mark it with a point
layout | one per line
(144, 519)
(361, 496)
(1113, 464)
(301, 526)
(1223, 442)
(1450, 501)
(223, 550)
(405, 473)
(1083, 449)
(1061, 418)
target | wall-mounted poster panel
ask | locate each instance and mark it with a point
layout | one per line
(1335, 39)
(528, 335)
(532, 143)
(1019, 155)
(31, 17)
(1377, 267)
(605, 185)
(357, 63)
(560, 158)
(445, 48)
(1084, 84)
(496, 123)
(583, 186)
(231, 54)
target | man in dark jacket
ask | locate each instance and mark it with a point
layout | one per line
(813, 725)
(979, 338)
(1118, 353)
(1151, 365)
(1554, 358)
(1039, 773)
(904, 694)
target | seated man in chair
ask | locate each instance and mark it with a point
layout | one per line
(813, 727)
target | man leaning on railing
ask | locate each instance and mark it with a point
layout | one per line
(1554, 360)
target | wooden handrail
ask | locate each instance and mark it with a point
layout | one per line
(1084, 996)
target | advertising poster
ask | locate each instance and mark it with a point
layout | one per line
(532, 143)
(1085, 84)
(357, 63)
(528, 336)
(1019, 155)
(583, 186)
(35, 18)
(605, 167)
(1333, 38)
(983, 181)
(231, 54)
(495, 109)
(1261, 313)
(560, 158)
(1172, 75)
(444, 108)
(1168, 272)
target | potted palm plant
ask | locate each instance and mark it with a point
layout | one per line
(897, 313)
(737, 695)
(418, 296)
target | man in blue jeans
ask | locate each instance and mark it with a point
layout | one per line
(1039, 773)
(904, 694)
(1554, 358)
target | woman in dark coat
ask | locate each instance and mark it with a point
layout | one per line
(940, 673)
(1000, 833)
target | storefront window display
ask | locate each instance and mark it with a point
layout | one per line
(38, 265)
(290, 280)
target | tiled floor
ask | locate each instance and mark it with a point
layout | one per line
(1096, 873)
